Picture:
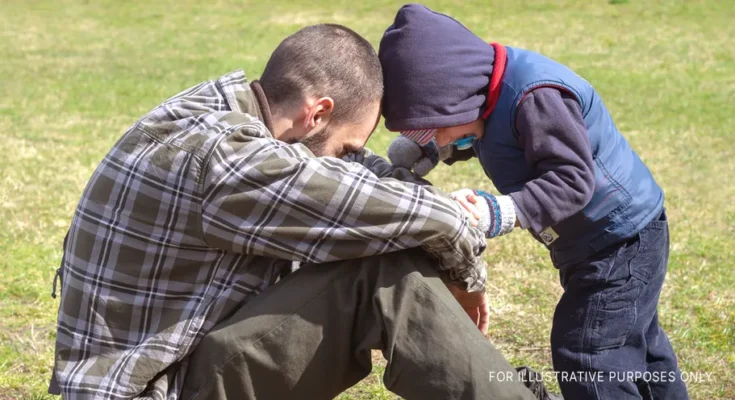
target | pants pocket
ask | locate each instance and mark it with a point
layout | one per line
(616, 316)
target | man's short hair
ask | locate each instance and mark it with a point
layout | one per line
(325, 60)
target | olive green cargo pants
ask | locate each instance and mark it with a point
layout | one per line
(310, 335)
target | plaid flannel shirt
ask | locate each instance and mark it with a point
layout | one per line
(197, 208)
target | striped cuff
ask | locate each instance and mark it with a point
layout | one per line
(502, 214)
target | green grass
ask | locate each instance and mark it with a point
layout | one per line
(75, 74)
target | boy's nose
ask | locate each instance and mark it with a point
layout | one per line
(442, 138)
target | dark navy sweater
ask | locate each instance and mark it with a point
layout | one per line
(554, 138)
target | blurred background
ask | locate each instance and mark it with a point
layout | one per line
(75, 74)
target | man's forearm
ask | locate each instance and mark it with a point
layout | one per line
(382, 168)
(325, 209)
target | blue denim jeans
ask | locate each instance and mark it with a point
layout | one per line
(606, 341)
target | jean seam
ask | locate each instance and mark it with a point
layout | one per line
(591, 317)
(586, 339)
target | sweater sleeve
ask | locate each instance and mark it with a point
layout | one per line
(554, 138)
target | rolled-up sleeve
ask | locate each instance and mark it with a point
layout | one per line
(264, 197)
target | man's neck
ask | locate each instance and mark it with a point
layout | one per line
(283, 127)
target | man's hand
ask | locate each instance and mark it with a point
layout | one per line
(493, 215)
(475, 304)
(468, 200)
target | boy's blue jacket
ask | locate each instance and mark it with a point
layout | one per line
(626, 196)
(439, 74)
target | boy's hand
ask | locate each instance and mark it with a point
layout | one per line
(475, 304)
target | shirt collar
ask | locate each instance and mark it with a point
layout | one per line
(246, 99)
(264, 110)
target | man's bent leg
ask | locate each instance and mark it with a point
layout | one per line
(310, 336)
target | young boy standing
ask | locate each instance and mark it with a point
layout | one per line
(546, 140)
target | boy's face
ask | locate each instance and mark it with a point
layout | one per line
(447, 136)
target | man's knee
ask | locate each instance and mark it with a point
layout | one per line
(384, 269)
(414, 262)
(212, 350)
(400, 269)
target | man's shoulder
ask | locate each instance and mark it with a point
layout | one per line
(200, 116)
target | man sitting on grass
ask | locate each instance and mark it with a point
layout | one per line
(175, 273)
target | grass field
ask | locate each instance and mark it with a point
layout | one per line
(75, 74)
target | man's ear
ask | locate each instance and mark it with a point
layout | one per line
(319, 111)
